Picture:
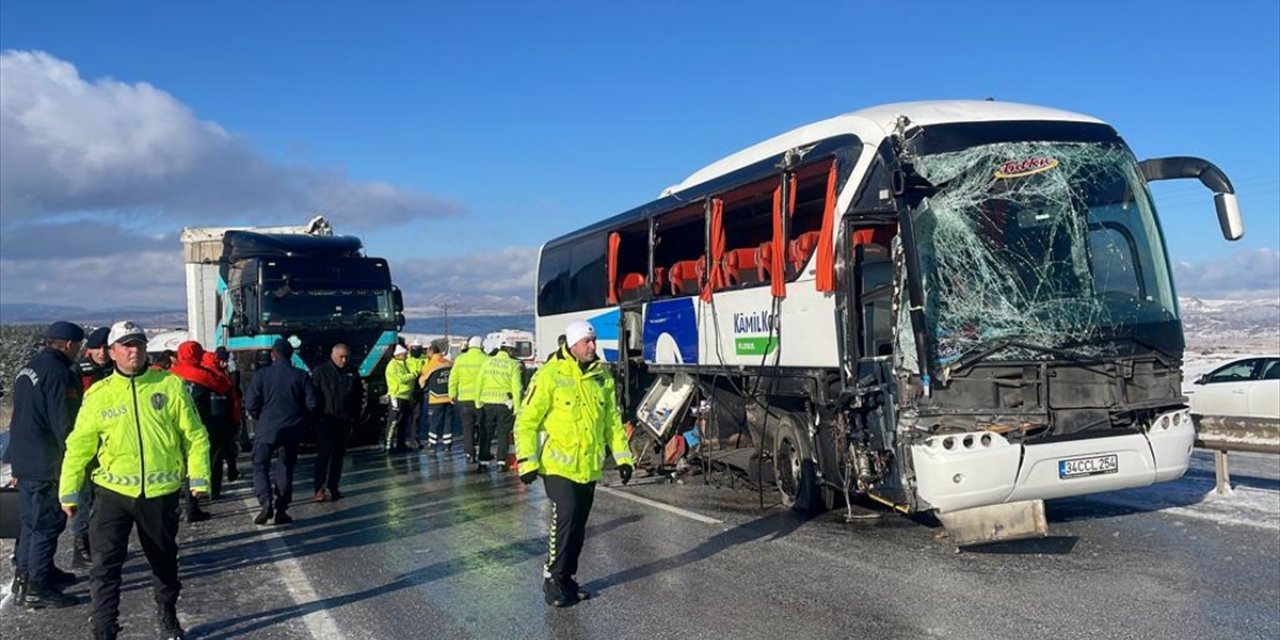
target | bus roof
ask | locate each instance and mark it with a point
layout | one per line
(873, 123)
(869, 125)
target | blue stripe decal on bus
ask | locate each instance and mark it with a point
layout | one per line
(675, 319)
(606, 325)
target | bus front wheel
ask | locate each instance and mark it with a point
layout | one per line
(793, 466)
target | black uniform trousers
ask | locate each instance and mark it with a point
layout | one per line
(112, 520)
(219, 443)
(42, 522)
(470, 418)
(273, 483)
(332, 434)
(570, 507)
(398, 424)
(496, 420)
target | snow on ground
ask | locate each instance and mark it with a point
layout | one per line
(1254, 500)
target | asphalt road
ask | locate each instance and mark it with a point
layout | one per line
(420, 548)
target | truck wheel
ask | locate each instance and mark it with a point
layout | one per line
(794, 468)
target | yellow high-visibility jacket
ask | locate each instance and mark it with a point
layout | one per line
(146, 434)
(465, 378)
(400, 379)
(500, 381)
(578, 411)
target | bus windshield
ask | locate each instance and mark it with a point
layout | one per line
(1050, 244)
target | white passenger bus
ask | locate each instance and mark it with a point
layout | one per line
(956, 306)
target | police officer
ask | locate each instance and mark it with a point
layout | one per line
(142, 426)
(463, 385)
(46, 398)
(498, 397)
(416, 360)
(281, 399)
(401, 381)
(572, 399)
(93, 366)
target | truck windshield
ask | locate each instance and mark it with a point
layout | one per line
(283, 305)
(1052, 244)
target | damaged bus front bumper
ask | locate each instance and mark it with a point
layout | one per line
(964, 470)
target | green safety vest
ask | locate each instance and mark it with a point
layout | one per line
(578, 410)
(145, 433)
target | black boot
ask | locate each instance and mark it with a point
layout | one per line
(106, 633)
(264, 515)
(167, 618)
(42, 596)
(282, 517)
(19, 587)
(80, 555)
(556, 593)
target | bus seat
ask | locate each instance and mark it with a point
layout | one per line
(659, 277)
(685, 276)
(764, 258)
(740, 265)
(881, 235)
(800, 249)
(632, 286)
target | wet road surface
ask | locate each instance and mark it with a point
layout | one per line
(423, 548)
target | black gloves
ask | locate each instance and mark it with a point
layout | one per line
(624, 472)
(529, 476)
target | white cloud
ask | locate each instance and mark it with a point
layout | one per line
(1247, 274)
(145, 278)
(504, 273)
(70, 146)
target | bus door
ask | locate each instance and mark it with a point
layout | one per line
(866, 286)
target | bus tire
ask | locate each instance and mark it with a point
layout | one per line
(793, 466)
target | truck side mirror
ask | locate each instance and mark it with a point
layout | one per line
(397, 302)
(1224, 195)
(399, 321)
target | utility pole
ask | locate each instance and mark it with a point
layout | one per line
(446, 306)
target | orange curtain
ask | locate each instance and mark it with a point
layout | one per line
(826, 277)
(716, 279)
(614, 241)
(777, 257)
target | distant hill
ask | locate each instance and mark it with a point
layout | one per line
(1234, 326)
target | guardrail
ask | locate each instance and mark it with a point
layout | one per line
(1225, 434)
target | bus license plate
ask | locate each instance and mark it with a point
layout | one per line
(1088, 466)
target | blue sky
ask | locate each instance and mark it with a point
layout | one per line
(495, 126)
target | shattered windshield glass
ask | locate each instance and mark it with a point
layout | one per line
(1051, 244)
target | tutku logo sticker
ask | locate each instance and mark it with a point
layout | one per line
(1025, 167)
